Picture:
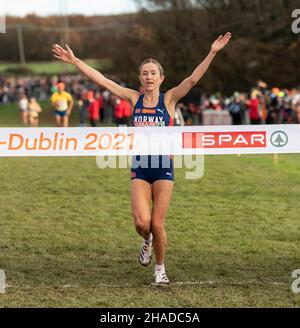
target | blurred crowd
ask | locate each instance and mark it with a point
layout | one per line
(261, 105)
(93, 105)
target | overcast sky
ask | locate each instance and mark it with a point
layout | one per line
(48, 7)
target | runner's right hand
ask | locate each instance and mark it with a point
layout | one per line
(62, 54)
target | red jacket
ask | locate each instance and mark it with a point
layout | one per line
(253, 109)
(94, 110)
(123, 109)
(126, 108)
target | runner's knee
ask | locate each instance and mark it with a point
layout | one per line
(141, 224)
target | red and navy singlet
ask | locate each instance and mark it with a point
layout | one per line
(152, 168)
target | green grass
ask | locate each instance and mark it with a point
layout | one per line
(67, 237)
(53, 67)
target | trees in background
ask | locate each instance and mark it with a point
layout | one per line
(178, 33)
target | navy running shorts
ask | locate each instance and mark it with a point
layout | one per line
(152, 168)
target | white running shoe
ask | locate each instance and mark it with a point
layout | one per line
(161, 277)
(145, 253)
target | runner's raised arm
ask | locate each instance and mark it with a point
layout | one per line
(67, 56)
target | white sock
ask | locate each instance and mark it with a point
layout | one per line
(159, 267)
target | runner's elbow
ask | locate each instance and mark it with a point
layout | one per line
(193, 81)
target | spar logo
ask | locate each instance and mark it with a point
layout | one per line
(279, 139)
(241, 139)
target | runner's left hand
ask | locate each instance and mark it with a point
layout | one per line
(221, 42)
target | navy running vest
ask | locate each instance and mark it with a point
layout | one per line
(151, 116)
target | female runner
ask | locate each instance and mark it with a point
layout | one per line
(151, 177)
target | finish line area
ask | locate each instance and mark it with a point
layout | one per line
(106, 141)
(68, 239)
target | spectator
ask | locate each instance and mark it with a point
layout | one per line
(253, 104)
(23, 108)
(99, 97)
(236, 110)
(34, 110)
(127, 112)
(296, 105)
(178, 118)
(108, 108)
(93, 109)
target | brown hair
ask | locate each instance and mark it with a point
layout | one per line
(154, 61)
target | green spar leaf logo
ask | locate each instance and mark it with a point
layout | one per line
(279, 139)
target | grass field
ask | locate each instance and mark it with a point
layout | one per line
(67, 238)
(53, 66)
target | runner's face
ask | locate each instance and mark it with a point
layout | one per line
(150, 77)
(60, 87)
